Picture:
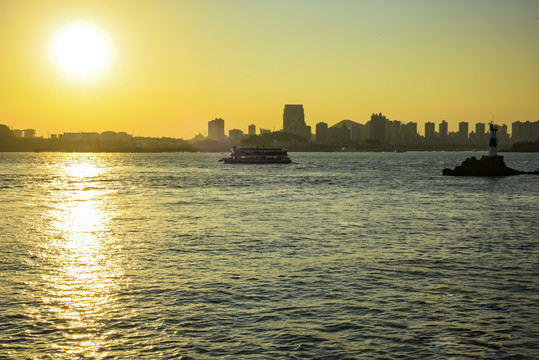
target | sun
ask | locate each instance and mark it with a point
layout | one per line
(81, 51)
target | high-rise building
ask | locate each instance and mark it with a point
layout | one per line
(463, 131)
(408, 133)
(393, 129)
(377, 128)
(293, 115)
(322, 133)
(294, 121)
(479, 137)
(235, 134)
(443, 129)
(517, 131)
(430, 131)
(524, 131)
(216, 129)
(503, 136)
(252, 129)
(356, 132)
(480, 129)
(339, 135)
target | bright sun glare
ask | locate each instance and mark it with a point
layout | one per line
(81, 51)
(82, 170)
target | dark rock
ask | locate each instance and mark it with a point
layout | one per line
(486, 166)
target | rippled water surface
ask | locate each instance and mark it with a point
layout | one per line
(336, 256)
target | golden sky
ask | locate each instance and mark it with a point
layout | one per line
(178, 64)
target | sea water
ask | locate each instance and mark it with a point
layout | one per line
(335, 256)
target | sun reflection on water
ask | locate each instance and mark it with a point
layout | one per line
(82, 170)
(82, 253)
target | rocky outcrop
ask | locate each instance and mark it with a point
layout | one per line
(486, 166)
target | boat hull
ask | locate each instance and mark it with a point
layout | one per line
(255, 161)
(240, 155)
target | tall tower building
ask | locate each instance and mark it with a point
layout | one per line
(393, 132)
(235, 134)
(408, 133)
(293, 115)
(294, 121)
(443, 129)
(377, 127)
(517, 131)
(216, 129)
(503, 136)
(356, 132)
(252, 129)
(430, 130)
(463, 130)
(322, 133)
(479, 137)
(480, 129)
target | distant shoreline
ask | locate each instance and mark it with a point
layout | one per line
(156, 151)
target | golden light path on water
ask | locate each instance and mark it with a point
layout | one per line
(84, 268)
(339, 255)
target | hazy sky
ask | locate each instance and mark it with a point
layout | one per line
(178, 64)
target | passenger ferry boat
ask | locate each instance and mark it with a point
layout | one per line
(256, 155)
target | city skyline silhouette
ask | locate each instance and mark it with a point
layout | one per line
(169, 67)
